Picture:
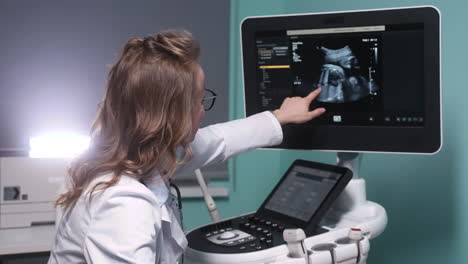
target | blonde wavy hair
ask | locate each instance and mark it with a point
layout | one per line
(145, 116)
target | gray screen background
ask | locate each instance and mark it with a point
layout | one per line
(55, 56)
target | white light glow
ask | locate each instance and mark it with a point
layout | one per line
(57, 145)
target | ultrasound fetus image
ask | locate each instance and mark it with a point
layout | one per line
(344, 69)
(340, 78)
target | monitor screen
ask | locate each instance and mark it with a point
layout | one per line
(379, 71)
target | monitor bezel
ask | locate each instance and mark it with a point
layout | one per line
(313, 222)
(423, 140)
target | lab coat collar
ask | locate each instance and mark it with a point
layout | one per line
(154, 182)
(159, 187)
(161, 190)
(176, 230)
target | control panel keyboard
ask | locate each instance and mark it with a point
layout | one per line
(242, 234)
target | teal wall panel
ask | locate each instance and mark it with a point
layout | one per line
(425, 196)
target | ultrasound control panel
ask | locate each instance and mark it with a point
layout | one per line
(299, 200)
(239, 235)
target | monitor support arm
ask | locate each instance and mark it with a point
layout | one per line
(352, 204)
(354, 194)
(350, 160)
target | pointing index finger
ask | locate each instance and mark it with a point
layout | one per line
(312, 95)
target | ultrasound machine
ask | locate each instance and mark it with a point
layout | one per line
(379, 71)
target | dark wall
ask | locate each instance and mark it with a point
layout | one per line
(55, 55)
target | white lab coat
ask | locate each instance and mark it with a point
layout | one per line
(135, 223)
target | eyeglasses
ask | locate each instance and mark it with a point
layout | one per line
(209, 99)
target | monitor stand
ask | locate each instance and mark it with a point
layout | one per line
(354, 194)
(352, 209)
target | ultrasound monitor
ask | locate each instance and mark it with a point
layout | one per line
(379, 71)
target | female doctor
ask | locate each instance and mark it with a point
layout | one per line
(119, 208)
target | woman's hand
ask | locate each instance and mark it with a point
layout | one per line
(296, 109)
